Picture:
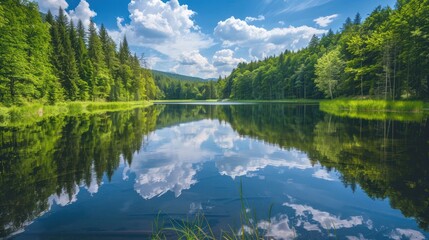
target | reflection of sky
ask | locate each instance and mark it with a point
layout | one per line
(175, 154)
(171, 161)
(308, 199)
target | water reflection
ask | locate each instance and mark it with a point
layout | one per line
(45, 163)
(295, 156)
(175, 155)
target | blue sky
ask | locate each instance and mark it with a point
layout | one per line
(208, 38)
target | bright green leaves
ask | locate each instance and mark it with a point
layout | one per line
(329, 71)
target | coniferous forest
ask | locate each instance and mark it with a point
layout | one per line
(50, 59)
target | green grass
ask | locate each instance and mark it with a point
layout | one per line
(376, 109)
(31, 113)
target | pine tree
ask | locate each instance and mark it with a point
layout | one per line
(125, 72)
(24, 41)
(112, 63)
(100, 83)
(77, 37)
(64, 59)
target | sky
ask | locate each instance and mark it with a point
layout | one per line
(208, 38)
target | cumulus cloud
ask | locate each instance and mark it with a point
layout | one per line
(242, 162)
(278, 228)
(93, 185)
(172, 163)
(193, 63)
(323, 174)
(325, 21)
(176, 154)
(325, 220)
(225, 61)
(82, 12)
(253, 19)
(400, 233)
(64, 198)
(52, 5)
(168, 28)
(263, 42)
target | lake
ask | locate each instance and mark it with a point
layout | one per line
(292, 170)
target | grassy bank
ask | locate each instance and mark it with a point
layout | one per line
(377, 109)
(22, 115)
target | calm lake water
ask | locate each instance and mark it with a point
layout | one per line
(110, 176)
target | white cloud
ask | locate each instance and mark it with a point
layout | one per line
(325, 21)
(193, 63)
(325, 220)
(82, 12)
(300, 5)
(93, 186)
(253, 19)
(260, 41)
(235, 163)
(64, 197)
(282, 23)
(323, 174)
(278, 228)
(52, 5)
(411, 234)
(171, 164)
(168, 28)
(225, 61)
(177, 153)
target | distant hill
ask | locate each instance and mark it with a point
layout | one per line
(178, 76)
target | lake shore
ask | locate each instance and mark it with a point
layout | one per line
(376, 109)
(21, 115)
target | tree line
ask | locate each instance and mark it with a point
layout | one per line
(173, 88)
(50, 59)
(386, 56)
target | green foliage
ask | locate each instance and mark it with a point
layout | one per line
(51, 61)
(376, 109)
(33, 113)
(174, 89)
(25, 71)
(50, 157)
(385, 57)
(329, 69)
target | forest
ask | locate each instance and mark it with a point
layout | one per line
(173, 89)
(386, 56)
(49, 59)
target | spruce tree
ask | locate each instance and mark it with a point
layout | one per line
(100, 83)
(24, 41)
(80, 53)
(64, 59)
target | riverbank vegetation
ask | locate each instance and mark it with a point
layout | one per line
(376, 109)
(29, 114)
